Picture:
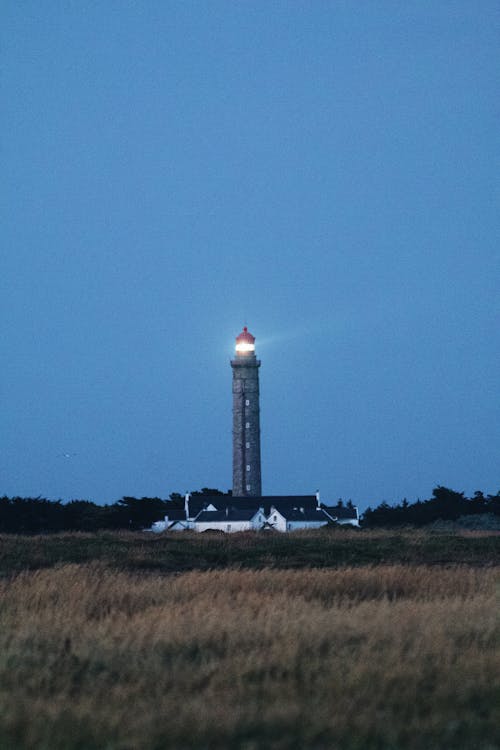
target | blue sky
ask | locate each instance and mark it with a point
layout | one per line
(323, 172)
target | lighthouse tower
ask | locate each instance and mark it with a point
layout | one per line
(246, 418)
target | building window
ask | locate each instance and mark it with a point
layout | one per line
(248, 467)
(247, 403)
(247, 425)
(247, 445)
(275, 517)
(248, 488)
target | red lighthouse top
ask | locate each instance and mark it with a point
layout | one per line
(245, 342)
(246, 336)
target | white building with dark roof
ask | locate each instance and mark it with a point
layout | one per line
(344, 515)
(282, 513)
(292, 519)
(230, 520)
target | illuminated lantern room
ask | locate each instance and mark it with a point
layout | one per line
(245, 343)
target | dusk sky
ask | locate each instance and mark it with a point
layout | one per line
(325, 173)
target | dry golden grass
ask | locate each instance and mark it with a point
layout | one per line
(355, 658)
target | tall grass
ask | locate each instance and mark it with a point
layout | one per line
(356, 658)
(323, 548)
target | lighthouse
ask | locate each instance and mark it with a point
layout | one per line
(246, 418)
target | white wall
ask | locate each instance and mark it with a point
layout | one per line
(229, 526)
(280, 523)
(295, 525)
(158, 526)
(276, 520)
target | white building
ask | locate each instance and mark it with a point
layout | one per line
(283, 513)
(230, 520)
(344, 515)
(293, 519)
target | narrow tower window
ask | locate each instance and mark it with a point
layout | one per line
(248, 488)
(248, 467)
(247, 445)
(247, 425)
(247, 403)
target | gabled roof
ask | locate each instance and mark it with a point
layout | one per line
(295, 501)
(221, 502)
(284, 503)
(176, 514)
(180, 523)
(340, 511)
(228, 501)
(197, 503)
(302, 514)
(232, 514)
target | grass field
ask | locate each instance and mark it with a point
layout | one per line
(324, 548)
(120, 642)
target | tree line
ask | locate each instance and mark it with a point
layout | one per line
(37, 515)
(27, 515)
(444, 505)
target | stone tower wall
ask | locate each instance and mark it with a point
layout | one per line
(246, 426)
